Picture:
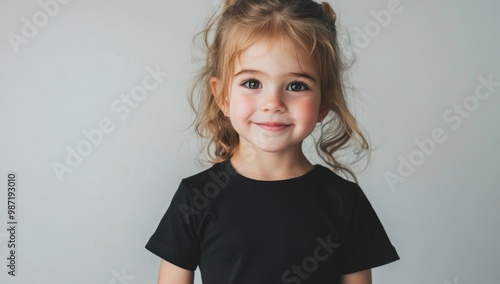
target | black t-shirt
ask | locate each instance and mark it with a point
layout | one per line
(308, 229)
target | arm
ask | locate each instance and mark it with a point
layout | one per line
(172, 274)
(360, 277)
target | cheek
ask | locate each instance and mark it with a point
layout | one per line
(241, 106)
(307, 111)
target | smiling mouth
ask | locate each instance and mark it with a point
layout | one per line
(273, 126)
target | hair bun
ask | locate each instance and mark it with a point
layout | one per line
(326, 6)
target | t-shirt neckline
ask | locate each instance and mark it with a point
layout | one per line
(295, 184)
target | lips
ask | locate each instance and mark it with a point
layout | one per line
(272, 126)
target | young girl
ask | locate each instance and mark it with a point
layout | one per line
(263, 214)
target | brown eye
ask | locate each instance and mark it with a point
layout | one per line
(252, 84)
(297, 87)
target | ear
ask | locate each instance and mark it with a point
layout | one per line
(215, 87)
(323, 112)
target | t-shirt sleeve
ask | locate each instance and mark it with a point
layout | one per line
(175, 239)
(367, 244)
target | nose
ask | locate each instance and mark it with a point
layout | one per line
(273, 101)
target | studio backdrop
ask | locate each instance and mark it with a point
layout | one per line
(95, 137)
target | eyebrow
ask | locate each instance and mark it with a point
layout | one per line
(305, 75)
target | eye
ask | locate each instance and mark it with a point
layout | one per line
(297, 87)
(252, 84)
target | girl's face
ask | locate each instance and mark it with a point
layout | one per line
(274, 97)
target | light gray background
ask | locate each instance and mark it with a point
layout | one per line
(91, 227)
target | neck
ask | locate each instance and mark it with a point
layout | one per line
(259, 165)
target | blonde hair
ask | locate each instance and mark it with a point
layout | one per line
(241, 23)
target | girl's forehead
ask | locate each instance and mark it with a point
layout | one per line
(275, 55)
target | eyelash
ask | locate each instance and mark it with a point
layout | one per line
(248, 81)
(304, 85)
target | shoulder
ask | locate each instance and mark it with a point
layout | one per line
(199, 176)
(211, 174)
(331, 181)
(207, 182)
(343, 194)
